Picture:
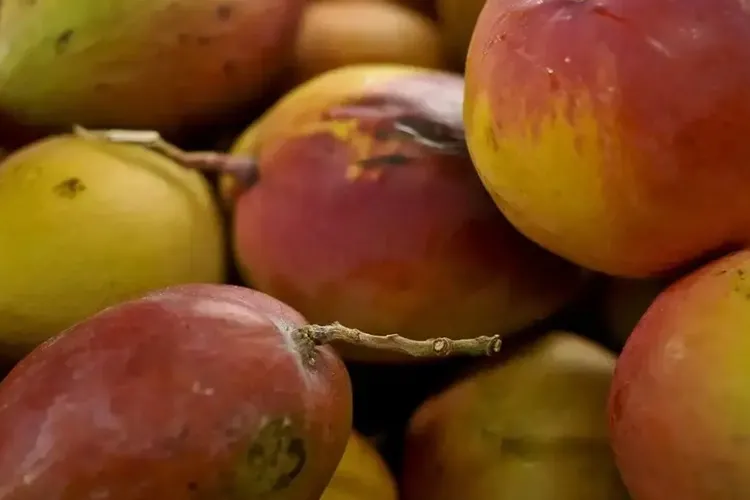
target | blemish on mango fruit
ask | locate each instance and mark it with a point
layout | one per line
(69, 188)
(274, 458)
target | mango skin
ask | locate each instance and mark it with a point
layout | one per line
(191, 392)
(679, 405)
(614, 133)
(85, 225)
(530, 427)
(414, 248)
(361, 475)
(139, 64)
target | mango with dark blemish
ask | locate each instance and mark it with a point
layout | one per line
(191, 392)
(614, 133)
(532, 426)
(368, 211)
(680, 405)
(84, 225)
(140, 64)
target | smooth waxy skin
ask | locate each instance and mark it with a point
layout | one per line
(679, 406)
(614, 133)
(410, 244)
(361, 475)
(139, 64)
(85, 225)
(193, 392)
(532, 427)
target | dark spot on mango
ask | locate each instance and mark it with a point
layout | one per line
(392, 160)
(489, 136)
(69, 188)
(203, 40)
(274, 458)
(224, 12)
(383, 134)
(27, 3)
(63, 41)
(192, 486)
(296, 450)
(429, 130)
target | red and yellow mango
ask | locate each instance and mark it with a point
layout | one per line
(679, 404)
(615, 133)
(368, 211)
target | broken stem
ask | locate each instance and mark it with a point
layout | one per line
(242, 168)
(315, 335)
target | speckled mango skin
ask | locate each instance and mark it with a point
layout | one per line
(679, 404)
(417, 249)
(615, 133)
(139, 63)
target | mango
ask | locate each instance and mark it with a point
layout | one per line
(530, 427)
(679, 406)
(613, 133)
(190, 392)
(367, 210)
(85, 225)
(334, 34)
(159, 64)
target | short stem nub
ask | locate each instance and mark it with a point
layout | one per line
(243, 168)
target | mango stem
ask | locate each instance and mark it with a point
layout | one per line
(244, 169)
(315, 335)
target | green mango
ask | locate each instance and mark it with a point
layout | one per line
(155, 64)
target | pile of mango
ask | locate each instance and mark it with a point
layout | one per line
(374, 249)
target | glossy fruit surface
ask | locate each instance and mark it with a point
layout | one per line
(197, 391)
(614, 132)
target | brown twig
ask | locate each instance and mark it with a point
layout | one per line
(310, 336)
(243, 168)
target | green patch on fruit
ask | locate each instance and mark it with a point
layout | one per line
(273, 459)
